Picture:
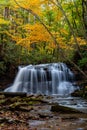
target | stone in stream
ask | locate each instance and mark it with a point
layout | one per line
(63, 109)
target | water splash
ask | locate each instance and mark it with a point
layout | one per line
(49, 79)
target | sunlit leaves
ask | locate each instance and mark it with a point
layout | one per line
(4, 22)
(25, 29)
(80, 40)
(34, 5)
(36, 33)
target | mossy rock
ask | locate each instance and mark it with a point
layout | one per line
(2, 101)
(17, 105)
(80, 93)
(63, 109)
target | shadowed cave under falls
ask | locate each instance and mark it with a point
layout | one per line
(47, 79)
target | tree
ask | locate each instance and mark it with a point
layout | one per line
(84, 13)
(59, 6)
(44, 26)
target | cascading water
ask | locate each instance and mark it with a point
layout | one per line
(49, 79)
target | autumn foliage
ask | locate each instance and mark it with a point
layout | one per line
(56, 28)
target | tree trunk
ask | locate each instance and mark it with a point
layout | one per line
(6, 12)
(84, 13)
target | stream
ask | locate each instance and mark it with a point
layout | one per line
(72, 102)
(56, 81)
(33, 112)
(59, 121)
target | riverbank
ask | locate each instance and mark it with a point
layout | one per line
(34, 113)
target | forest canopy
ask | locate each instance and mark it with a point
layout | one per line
(43, 31)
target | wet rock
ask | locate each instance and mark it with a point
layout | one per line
(69, 118)
(45, 115)
(80, 93)
(63, 109)
(13, 94)
(80, 129)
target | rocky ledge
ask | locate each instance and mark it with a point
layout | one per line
(35, 112)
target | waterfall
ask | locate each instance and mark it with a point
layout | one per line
(49, 79)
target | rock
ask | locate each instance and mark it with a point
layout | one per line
(77, 93)
(63, 109)
(13, 94)
(45, 115)
(80, 93)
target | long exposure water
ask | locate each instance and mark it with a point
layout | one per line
(54, 80)
(48, 79)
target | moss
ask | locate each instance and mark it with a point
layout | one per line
(2, 101)
(17, 104)
(80, 93)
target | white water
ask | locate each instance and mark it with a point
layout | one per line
(49, 79)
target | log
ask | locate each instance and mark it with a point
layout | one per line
(13, 94)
